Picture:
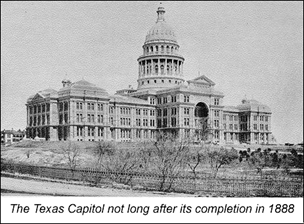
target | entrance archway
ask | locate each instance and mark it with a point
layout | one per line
(201, 114)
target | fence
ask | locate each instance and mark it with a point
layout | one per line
(221, 186)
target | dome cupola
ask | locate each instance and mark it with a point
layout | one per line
(161, 30)
(160, 66)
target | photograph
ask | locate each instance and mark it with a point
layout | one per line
(152, 99)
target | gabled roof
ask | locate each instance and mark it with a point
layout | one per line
(42, 94)
(202, 80)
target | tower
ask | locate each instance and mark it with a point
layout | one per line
(160, 66)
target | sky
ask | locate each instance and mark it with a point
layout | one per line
(249, 49)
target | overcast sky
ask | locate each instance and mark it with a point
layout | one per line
(246, 48)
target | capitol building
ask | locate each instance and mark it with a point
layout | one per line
(163, 101)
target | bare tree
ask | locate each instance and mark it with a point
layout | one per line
(120, 163)
(195, 158)
(218, 157)
(168, 158)
(71, 153)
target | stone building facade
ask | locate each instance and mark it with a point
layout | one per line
(163, 101)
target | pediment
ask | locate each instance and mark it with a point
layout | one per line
(38, 96)
(203, 80)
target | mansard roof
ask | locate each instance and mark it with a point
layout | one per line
(127, 99)
(254, 106)
(83, 87)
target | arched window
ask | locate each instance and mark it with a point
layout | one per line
(156, 48)
(162, 49)
(201, 110)
(156, 69)
(162, 69)
(168, 49)
(171, 50)
(151, 49)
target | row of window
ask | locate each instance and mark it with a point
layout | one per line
(161, 81)
(262, 137)
(90, 118)
(39, 120)
(164, 112)
(262, 118)
(231, 126)
(39, 108)
(255, 127)
(90, 106)
(231, 117)
(91, 131)
(161, 48)
(231, 136)
(63, 106)
(164, 100)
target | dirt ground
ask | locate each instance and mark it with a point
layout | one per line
(21, 187)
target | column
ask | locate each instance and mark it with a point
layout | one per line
(153, 66)
(146, 68)
(158, 64)
(96, 133)
(182, 65)
(165, 72)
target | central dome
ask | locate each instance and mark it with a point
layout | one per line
(161, 31)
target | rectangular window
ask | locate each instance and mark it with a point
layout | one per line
(261, 118)
(255, 117)
(100, 132)
(159, 123)
(152, 101)
(165, 99)
(266, 118)
(186, 98)
(230, 127)
(173, 121)
(216, 101)
(216, 134)
(159, 100)
(145, 112)
(165, 122)
(261, 127)
(216, 113)
(186, 110)
(235, 127)
(137, 111)
(216, 123)
(165, 112)
(173, 111)
(255, 127)
(266, 127)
